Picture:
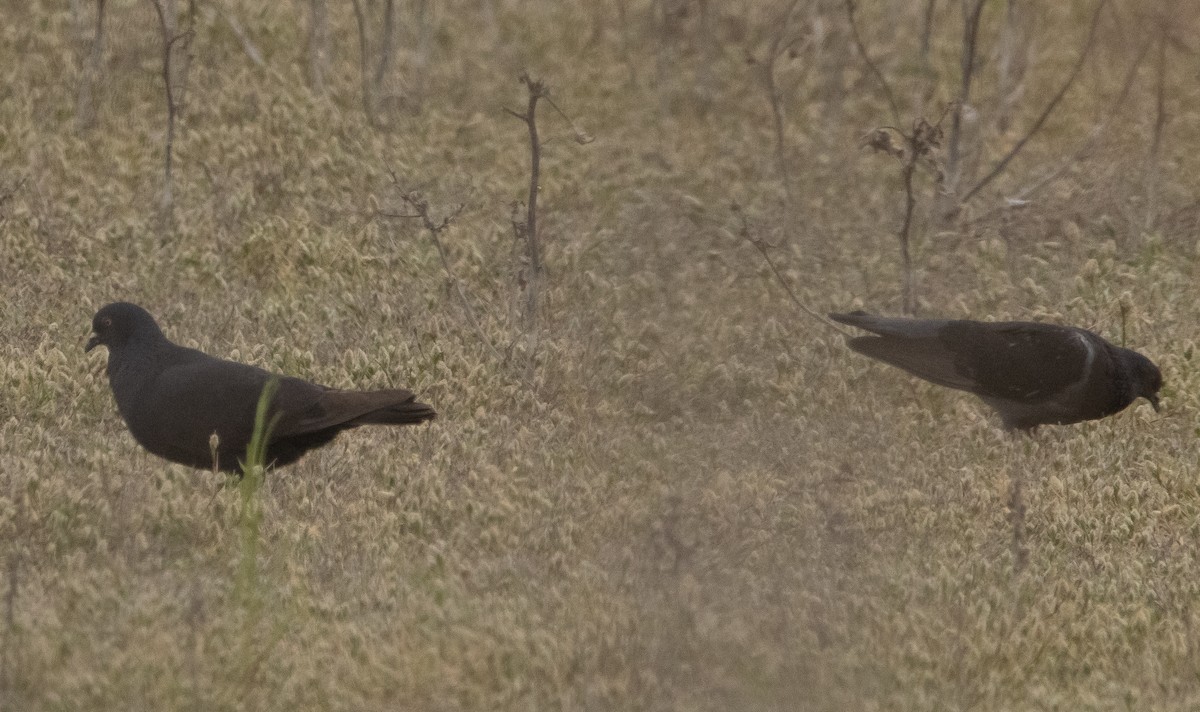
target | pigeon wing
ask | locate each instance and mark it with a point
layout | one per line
(925, 357)
(193, 396)
(915, 345)
(1023, 362)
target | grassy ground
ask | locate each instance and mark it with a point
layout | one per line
(695, 498)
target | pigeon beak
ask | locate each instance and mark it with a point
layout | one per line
(92, 343)
(1154, 402)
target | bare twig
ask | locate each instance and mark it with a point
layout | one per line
(528, 229)
(1021, 196)
(387, 45)
(1160, 123)
(1016, 514)
(10, 620)
(917, 149)
(777, 118)
(1010, 69)
(420, 207)
(318, 44)
(85, 105)
(1037, 125)
(363, 62)
(625, 28)
(169, 38)
(371, 78)
(862, 50)
(581, 137)
(780, 46)
(927, 29)
(239, 32)
(183, 69)
(762, 246)
(420, 60)
(910, 203)
(11, 191)
(967, 64)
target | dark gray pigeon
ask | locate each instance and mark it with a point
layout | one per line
(1032, 374)
(174, 398)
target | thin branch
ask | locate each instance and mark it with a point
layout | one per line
(183, 67)
(778, 47)
(13, 190)
(1037, 125)
(169, 38)
(1160, 123)
(363, 61)
(537, 90)
(1022, 195)
(910, 203)
(970, 42)
(927, 29)
(1016, 514)
(85, 107)
(528, 230)
(581, 137)
(420, 208)
(862, 50)
(10, 617)
(761, 245)
(318, 44)
(420, 60)
(387, 47)
(1010, 71)
(777, 119)
(918, 149)
(248, 45)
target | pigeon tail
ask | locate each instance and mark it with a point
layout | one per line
(409, 412)
(892, 326)
(387, 407)
(922, 357)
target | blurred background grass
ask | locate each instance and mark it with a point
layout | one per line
(701, 500)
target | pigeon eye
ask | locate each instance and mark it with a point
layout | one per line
(106, 322)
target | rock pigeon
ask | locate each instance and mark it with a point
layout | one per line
(1032, 374)
(174, 398)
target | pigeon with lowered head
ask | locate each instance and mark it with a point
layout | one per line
(1032, 374)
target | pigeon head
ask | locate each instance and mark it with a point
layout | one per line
(119, 323)
(1146, 377)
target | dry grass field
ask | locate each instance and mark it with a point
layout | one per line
(681, 491)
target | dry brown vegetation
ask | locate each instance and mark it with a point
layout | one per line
(685, 493)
